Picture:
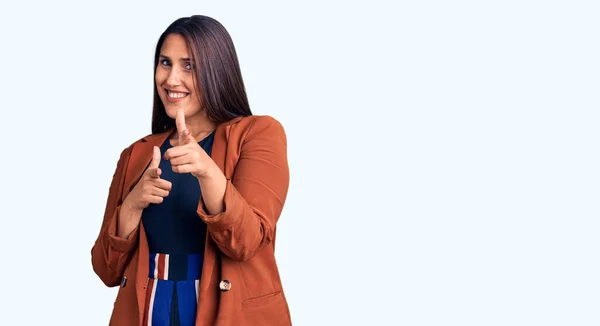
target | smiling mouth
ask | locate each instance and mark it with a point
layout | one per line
(176, 95)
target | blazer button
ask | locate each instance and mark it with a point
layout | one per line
(123, 281)
(225, 285)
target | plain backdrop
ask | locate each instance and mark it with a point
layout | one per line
(444, 154)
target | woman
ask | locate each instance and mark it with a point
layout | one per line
(189, 226)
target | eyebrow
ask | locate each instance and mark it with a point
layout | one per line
(182, 59)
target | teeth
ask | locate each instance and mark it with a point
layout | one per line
(176, 95)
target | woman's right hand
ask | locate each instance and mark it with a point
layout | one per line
(151, 189)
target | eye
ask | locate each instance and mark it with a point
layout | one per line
(188, 66)
(165, 62)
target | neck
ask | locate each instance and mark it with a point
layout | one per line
(199, 126)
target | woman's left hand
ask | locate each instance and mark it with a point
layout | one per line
(188, 156)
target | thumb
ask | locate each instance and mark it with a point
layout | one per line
(155, 163)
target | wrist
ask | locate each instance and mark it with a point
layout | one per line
(211, 173)
(129, 209)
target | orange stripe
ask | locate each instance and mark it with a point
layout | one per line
(161, 266)
(147, 305)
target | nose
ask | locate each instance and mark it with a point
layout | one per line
(174, 78)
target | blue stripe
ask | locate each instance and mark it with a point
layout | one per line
(152, 265)
(162, 302)
(186, 297)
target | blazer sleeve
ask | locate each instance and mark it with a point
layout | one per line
(255, 196)
(111, 254)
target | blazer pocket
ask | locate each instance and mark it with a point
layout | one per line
(261, 301)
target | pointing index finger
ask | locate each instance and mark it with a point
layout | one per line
(180, 121)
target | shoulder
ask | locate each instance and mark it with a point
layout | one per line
(260, 119)
(262, 126)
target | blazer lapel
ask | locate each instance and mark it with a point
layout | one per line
(220, 150)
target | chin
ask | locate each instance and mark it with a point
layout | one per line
(171, 111)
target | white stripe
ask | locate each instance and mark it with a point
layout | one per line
(197, 288)
(151, 307)
(156, 266)
(166, 266)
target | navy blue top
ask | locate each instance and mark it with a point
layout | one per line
(173, 226)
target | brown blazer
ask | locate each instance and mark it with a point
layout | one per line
(240, 242)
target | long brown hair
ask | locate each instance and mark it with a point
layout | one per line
(216, 71)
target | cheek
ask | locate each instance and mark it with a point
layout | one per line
(189, 84)
(159, 78)
(194, 90)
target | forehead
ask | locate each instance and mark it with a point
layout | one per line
(175, 47)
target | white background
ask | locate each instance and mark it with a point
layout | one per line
(444, 154)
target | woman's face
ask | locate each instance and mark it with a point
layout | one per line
(174, 78)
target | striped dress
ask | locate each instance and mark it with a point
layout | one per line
(176, 238)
